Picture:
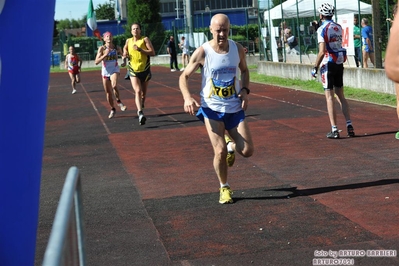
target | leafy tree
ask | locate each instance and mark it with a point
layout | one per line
(64, 24)
(385, 6)
(147, 13)
(105, 11)
(277, 2)
(143, 11)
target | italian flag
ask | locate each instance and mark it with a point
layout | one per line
(92, 21)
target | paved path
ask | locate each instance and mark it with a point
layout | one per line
(151, 195)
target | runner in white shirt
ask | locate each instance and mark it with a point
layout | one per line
(331, 56)
(224, 98)
(185, 56)
(108, 56)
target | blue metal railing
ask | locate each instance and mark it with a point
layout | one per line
(66, 243)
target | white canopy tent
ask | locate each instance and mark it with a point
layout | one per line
(306, 8)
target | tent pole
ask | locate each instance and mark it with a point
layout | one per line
(335, 5)
(314, 8)
(377, 33)
(297, 23)
(282, 37)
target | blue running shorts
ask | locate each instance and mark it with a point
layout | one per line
(230, 120)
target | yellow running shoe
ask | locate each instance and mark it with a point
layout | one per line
(225, 195)
(230, 155)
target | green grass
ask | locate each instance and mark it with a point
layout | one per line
(315, 86)
(310, 85)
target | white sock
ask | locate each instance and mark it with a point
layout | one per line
(229, 147)
(224, 185)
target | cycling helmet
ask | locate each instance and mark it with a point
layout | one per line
(327, 10)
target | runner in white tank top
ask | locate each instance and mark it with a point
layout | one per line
(107, 55)
(220, 82)
(224, 98)
(110, 63)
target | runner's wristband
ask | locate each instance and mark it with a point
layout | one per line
(245, 88)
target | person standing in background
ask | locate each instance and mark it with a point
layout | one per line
(367, 41)
(283, 30)
(357, 37)
(73, 63)
(171, 48)
(292, 41)
(185, 47)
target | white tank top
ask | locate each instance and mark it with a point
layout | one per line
(110, 64)
(220, 80)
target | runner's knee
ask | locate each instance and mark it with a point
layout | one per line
(248, 151)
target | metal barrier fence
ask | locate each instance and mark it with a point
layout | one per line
(249, 47)
(66, 243)
(299, 15)
(85, 56)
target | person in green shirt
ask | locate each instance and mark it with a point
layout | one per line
(357, 42)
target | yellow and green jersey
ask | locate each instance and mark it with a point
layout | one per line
(138, 61)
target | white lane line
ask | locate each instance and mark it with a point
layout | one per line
(95, 109)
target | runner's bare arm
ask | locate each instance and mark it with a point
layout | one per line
(244, 76)
(320, 55)
(100, 55)
(66, 62)
(80, 61)
(196, 61)
(150, 49)
(125, 52)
